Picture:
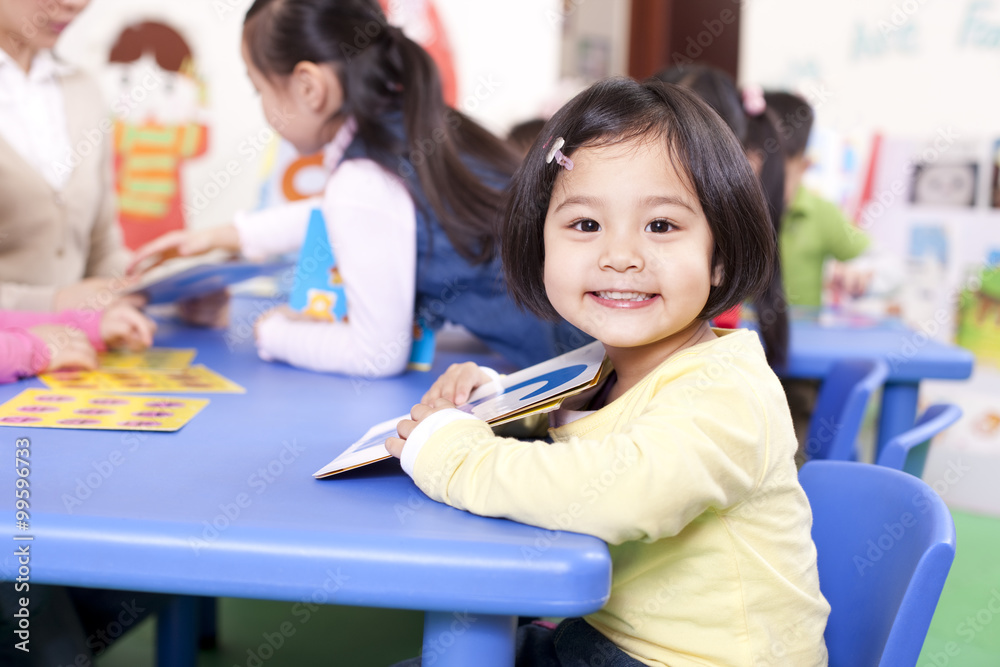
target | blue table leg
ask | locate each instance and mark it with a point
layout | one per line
(177, 633)
(899, 411)
(457, 639)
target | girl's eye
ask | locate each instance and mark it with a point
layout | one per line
(586, 225)
(659, 226)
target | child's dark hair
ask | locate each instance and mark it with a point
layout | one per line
(382, 71)
(795, 119)
(758, 134)
(703, 151)
(523, 135)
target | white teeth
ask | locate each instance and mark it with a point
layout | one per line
(625, 296)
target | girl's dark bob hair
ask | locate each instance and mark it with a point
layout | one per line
(703, 150)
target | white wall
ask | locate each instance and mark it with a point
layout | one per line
(903, 66)
(506, 54)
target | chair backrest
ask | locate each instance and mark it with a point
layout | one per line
(840, 408)
(884, 542)
(908, 450)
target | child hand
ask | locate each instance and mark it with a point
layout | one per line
(68, 347)
(420, 412)
(183, 244)
(89, 293)
(457, 383)
(209, 310)
(284, 311)
(124, 326)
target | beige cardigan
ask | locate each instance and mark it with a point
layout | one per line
(49, 238)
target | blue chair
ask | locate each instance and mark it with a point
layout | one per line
(908, 450)
(840, 407)
(885, 542)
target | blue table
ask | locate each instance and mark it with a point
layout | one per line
(227, 506)
(911, 357)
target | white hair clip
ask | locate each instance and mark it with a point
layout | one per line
(557, 155)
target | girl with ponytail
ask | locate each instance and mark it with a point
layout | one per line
(410, 204)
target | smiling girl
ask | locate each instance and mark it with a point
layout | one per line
(637, 218)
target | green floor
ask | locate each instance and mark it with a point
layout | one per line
(965, 631)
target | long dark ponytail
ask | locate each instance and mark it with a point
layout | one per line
(383, 71)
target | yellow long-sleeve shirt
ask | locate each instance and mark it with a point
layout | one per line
(689, 476)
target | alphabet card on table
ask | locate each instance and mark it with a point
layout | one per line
(41, 408)
(540, 388)
(154, 357)
(195, 379)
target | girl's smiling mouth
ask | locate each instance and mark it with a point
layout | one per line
(614, 299)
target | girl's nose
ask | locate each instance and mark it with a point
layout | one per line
(621, 255)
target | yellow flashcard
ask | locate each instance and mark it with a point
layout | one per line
(196, 379)
(93, 410)
(154, 357)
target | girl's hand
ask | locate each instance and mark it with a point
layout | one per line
(183, 244)
(284, 311)
(457, 383)
(420, 412)
(87, 294)
(209, 310)
(68, 347)
(124, 326)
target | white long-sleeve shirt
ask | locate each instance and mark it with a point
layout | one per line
(371, 223)
(33, 115)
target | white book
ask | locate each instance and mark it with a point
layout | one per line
(539, 388)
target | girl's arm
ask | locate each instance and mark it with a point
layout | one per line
(27, 352)
(371, 223)
(650, 479)
(87, 321)
(274, 230)
(22, 354)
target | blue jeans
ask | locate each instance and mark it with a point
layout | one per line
(574, 643)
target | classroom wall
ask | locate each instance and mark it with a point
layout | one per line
(506, 56)
(900, 65)
(914, 85)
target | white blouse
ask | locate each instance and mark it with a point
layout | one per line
(33, 115)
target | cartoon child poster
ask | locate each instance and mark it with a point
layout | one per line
(155, 135)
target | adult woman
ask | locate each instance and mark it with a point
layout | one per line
(60, 246)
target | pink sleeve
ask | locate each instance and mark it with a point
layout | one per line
(22, 354)
(87, 321)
